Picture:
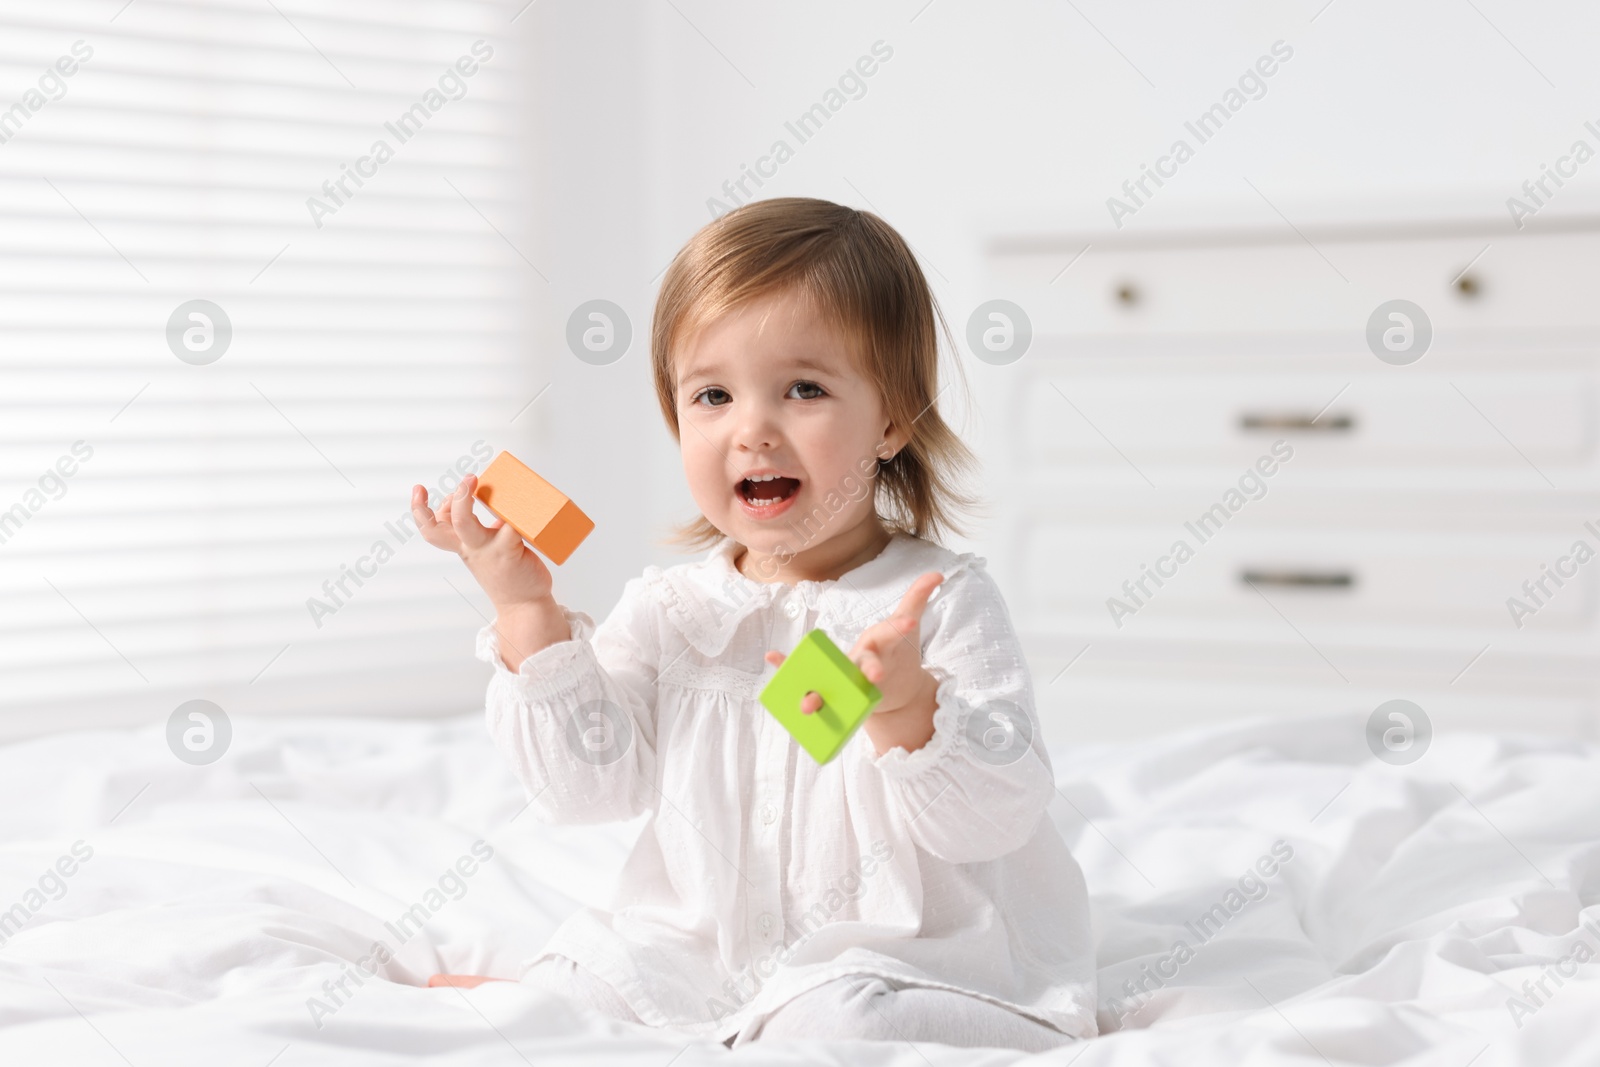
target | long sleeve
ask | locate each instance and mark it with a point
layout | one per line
(977, 790)
(577, 720)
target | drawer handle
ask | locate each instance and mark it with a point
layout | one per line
(1324, 424)
(1299, 579)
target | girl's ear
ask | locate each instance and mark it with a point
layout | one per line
(893, 441)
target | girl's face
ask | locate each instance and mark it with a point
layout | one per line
(771, 389)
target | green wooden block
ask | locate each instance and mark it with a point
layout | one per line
(817, 665)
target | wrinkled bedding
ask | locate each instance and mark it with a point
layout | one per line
(1265, 892)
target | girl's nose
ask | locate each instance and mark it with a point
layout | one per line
(757, 430)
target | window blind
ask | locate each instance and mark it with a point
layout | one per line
(260, 273)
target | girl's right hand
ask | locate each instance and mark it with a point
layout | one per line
(510, 572)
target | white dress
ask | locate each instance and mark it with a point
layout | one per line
(760, 875)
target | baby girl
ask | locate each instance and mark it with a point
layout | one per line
(913, 887)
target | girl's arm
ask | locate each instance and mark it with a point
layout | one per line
(530, 628)
(977, 788)
(576, 719)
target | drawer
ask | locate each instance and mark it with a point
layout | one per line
(1359, 577)
(1188, 410)
(1475, 276)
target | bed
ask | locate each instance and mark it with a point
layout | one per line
(240, 912)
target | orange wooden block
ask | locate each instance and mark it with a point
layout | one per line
(461, 981)
(533, 507)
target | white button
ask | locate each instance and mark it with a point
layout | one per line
(792, 610)
(766, 923)
(768, 814)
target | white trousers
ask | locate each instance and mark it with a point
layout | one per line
(855, 1007)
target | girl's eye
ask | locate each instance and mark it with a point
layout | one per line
(715, 391)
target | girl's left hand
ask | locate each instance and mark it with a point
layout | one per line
(889, 653)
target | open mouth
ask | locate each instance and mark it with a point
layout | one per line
(768, 492)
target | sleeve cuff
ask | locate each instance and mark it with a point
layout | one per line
(547, 671)
(950, 715)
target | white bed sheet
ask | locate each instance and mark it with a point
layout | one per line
(218, 900)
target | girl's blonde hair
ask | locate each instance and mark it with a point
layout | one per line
(865, 280)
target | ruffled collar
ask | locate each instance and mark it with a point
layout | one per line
(707, 600)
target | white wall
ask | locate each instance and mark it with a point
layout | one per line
(993, 118)
(987, 119)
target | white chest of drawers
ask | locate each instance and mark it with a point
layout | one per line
(1383, 558)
